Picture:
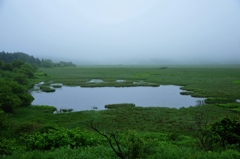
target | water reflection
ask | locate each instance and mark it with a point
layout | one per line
(79, 98)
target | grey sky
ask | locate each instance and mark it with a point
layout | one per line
(118, 31)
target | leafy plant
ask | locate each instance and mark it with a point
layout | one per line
(3, 120)
(7, 146)
(226, 131)
(13, 95)
(124, 145)
(26, 128)
(55, 138)
(203, 132)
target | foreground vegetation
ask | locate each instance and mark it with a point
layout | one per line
(142, 132)
(210, 130)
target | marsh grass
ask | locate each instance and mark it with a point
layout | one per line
(174, 131)
(47, 108)
(219, 100)
(203, 81)
(153, 119)
(122, 105)
(232, 106)
(47, 89)
(56, 86)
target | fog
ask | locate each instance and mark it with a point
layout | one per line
(123, 31)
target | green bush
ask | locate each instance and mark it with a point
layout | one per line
(7, 146)
(137, 147)
(218, 135)
(226, 132)
(26, 128)
(55, 138)
(13, 95)
(3, 120)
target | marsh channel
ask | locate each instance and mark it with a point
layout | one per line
(82, 98)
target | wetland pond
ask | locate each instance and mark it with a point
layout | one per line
(82, 98)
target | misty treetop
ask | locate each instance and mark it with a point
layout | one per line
(49, 64)
(10, 57)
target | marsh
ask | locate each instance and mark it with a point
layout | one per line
(82, 98)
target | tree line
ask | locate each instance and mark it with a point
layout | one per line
(14, 79)
(16, 72)
(10, 57)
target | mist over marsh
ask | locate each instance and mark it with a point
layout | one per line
(124, 32)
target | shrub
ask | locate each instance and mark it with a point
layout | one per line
(54, 138)
(125, 145)
(219, 135)
(134, 147)
(13, 95)
(26, 128)
(2, 119)
(7, 146)
(226, 131)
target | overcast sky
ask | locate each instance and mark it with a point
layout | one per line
(122, 31)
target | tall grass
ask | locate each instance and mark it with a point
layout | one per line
(206, 81)
(173, 133)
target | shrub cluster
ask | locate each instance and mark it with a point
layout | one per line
(13, 95)
(220, 134)
(54, 138)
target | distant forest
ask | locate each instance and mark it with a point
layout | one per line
(10, 57)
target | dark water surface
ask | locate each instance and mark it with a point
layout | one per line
(79, 98)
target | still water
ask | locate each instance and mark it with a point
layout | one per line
(78, 98)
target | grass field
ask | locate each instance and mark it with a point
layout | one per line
(203, 81)
(153, 132)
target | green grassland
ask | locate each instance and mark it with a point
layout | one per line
(203, 81)
(152, 132)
